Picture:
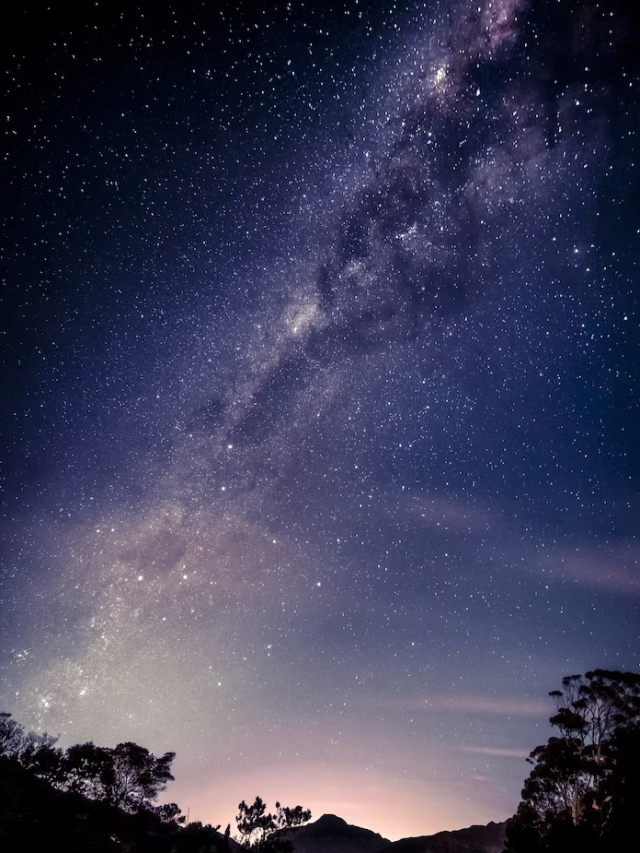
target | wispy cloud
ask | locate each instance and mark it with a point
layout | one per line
(478, 704)
(433, 510)
(467, 703)
(615, 570)
(497, 751)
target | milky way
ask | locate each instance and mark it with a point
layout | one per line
(321, 340)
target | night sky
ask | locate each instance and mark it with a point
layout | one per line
(320, 390)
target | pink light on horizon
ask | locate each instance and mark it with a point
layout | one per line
(393, 807)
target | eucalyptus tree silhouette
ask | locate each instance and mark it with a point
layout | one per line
(259, 829)
(585, 784)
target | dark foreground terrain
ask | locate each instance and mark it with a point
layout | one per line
(331, 834)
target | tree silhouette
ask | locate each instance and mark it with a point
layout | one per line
(254, 823)
(583, 787)
(92, 798)
(11, 736)
(16, 743)
(258, 829)
(135, 777)
(99, 798)
(85, 766)
(127, 776)
(286, 817)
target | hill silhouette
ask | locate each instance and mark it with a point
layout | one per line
(332, 834)
(473, 839)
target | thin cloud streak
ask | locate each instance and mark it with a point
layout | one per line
(497, 751)
(466, 703)
(616, 572)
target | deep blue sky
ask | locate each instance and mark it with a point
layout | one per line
(320, 369)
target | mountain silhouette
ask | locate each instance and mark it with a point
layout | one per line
(332, 834)
(474, 839)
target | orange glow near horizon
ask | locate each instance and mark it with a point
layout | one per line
(394, 808)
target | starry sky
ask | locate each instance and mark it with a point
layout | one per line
(320, 418)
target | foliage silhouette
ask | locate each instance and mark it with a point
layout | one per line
(90, 799)
(259, 830)
(16, 743)
(585, 784)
